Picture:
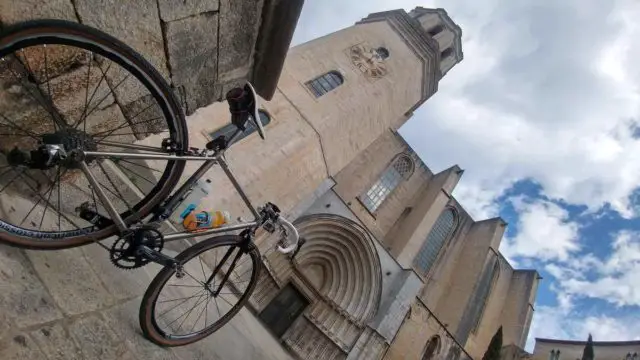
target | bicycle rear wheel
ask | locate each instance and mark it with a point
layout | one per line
(72, 86)
(179, 311)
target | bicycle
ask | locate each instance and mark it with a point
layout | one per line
(55, 138)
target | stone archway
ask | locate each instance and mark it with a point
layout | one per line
(340, 261)
(338, 271)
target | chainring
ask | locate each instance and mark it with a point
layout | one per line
(123, 253)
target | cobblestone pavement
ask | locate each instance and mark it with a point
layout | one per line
(73, 304)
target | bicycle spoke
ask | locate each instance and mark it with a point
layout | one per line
(105, 97)
(9, 183)
(142, 166)
(175, 306)
(47, 203)
(77, 123)
(189, 312)
(196, 286)
(180, 317)
(204, 276)
(86, 95)
(32, 135)
(112, 184)
(122, 126)
(59, 208)
(171, 300)
(36, 98)
(200, 316)
(30, 211)
(46, 72)
(215, 300)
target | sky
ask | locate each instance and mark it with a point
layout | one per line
(542, 114)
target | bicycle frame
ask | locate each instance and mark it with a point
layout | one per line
(167, 208)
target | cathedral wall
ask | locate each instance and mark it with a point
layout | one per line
(350, 117)
(470, 264)
(284, 169)
(418, 327)
(492, 318)
(440, 277)
(366, 168)
(429, 204)
(519, 306)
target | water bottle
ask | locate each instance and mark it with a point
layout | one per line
(191, 202)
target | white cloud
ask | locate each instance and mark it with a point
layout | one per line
(544, 232)
(559, 323)
(548, 104)
(615, 277)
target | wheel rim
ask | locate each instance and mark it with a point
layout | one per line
(76, 94)
(184, 308)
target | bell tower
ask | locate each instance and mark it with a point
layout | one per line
(445, 32)
(355, 84)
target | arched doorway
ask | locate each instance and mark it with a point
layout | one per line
(432, 348)
(334, 282)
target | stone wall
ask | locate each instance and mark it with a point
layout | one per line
(201, 47)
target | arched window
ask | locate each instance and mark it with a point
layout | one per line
(230, 129)
(441, 231)
(382, 52)
(432, 348)
(325, 83)
(485, 291)
(446, 53)
(400, 169)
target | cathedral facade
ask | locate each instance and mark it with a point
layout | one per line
(392, 267)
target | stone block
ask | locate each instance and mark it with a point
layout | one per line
(123, 320)
(23, 297)
(54, 341)
(97, 340)
(239, 24)
(193, 54)
(176, 9)
(136, 23)
(20, 347)
(16, 11)
(121, 284)
(71, 281)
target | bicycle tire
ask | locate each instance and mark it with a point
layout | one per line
(63, 32)
(148, 323)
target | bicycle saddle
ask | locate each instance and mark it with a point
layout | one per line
(244, 105)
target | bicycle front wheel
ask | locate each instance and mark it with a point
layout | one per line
(71, 87)
(218, 279)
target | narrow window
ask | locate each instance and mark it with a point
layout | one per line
(230, 129)
(401, 169)
(441, 231)
(325, 83)
(485, 292)
(432, 348)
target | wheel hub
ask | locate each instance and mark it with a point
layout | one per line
(59, 148)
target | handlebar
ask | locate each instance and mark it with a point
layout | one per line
(292, 236)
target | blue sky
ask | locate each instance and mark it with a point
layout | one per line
(543, 115)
